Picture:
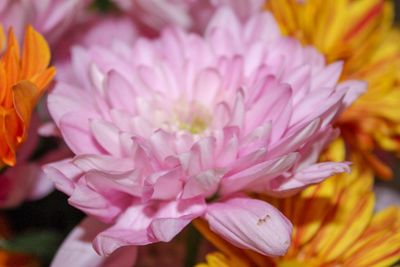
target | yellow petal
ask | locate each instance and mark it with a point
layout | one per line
(235, 254)
(215, 259)
(347, 222)
(283, 11)
(336, 151)
(379, 245)
(309, 211)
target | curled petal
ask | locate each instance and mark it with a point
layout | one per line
(143, 224)
(251, 224)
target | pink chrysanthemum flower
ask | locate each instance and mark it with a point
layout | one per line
(50, 18)
(97, 30)
(171, 129)
(188, 14)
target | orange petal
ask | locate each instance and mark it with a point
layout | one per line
(25, 97)
(7, 149)
(35, 54)
(12, 41)
(379, 167)
(15, 259)
(12, 73)
(43, 79)
(3, 84)
(3, 39)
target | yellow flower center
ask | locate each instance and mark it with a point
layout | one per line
(196, 126)
(192, 117)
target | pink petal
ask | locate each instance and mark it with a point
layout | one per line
(119, 92)
(104, 204)
(328, 76)
(354, 90)
(311, 175)
(149, 223)
(225, 20)
(75, 130)
(206, 86)
(228, 146)
(107, 135)
(251, 224)
(49, 129)
(204, 184)
(103, 163)
(66, 99)
(293, 141)
(162, 144)
(263, 171)
(272, 100)
(165, 185)
(81, 65)
(77, 249)
(129, 182)
(262, 26)
(64, 174)
(42, 186)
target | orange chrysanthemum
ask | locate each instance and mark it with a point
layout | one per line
(13, 259)
(361, 33)
(23, 79)
(333, 225)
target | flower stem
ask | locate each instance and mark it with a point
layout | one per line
(192, 246)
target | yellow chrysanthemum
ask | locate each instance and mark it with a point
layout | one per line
(333, 225)
(23, 79)
(360, 33)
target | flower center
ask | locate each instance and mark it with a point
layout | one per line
(196, 126)
(193, 117)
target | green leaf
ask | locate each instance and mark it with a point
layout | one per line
(42, 244)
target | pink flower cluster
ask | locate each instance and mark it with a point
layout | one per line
(50, 17)
(178, 127)
(188, 14)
